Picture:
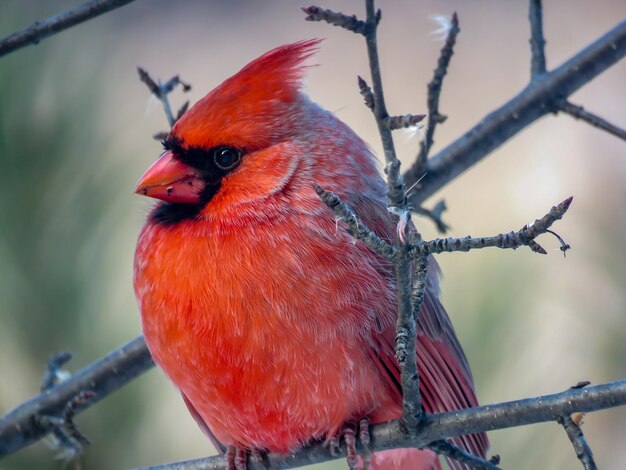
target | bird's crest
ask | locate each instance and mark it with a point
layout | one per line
(251, 94)
(275, 72)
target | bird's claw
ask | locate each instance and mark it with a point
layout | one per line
(364, 436)
(333, 445)
(350, 434)
(236, 458)
(257, 457)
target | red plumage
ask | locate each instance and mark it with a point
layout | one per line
(275, 324)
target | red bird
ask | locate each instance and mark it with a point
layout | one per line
(275, 324)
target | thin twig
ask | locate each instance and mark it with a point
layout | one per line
(434, 214)
(579, 112)
(404, 121)
(532, 103)
(434, 91)
(162, 91)
(537, 40)
(375, 100)
(183, 109)
(405, 324)
(577, 438)
(443, 426)
(512, 240)
(449, 450)
(53, 373)
(19, 427)
(395, 186)
(356, 227)
(67, 436)
(366, 93)
(70, 412)
(406, 346)
(351, 23)
(55, 24)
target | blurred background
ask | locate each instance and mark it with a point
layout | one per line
(75, 135)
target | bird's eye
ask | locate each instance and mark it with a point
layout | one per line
(226, 158)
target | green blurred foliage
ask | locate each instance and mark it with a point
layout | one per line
(56, 220)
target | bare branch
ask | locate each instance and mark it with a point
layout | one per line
(67, 438)
(53, 373)
(434, 214)
(183, 109)
(406, 347)
(351, 23)
(55, 24)
(397, 202)
(395, 186)
(366, 92)
(160, 136)
(579, 112)
(443, 426)
(532, 103)
(145, 78)
(355, 226)
(405, 324)
(449, 450)
(537, 41)
(401, 122)
(162, 91)
(21, 427)
(512, 240)
(434, 91)
(577, 438)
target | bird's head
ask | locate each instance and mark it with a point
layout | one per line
(230, 144)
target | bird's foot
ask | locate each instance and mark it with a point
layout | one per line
(364, 436)
(236, 458)
(258, 458)
(333, 445)
(356, 460)
(349, 435)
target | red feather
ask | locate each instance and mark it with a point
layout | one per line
(276, 325)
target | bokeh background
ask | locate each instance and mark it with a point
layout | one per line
(75, 135)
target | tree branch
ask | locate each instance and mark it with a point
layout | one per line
(397, 201)
(535, 101)
(577, 438)
(579, 112)
(435, 214)
(401, 122)
(449, 450)
(21, 426)
(351, 23)
(406, 347)
(406, 322)
(512, 240)
(356, 227)
(444, 426)
(434, 91)
(161, 91)
(537, 41)
(55, 24)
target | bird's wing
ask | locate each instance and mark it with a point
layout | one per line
(446, 381)
(221, 448)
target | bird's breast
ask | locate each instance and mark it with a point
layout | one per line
(264, 330)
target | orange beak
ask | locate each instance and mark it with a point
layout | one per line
(171, 180)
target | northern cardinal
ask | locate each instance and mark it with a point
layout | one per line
(275, 324)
